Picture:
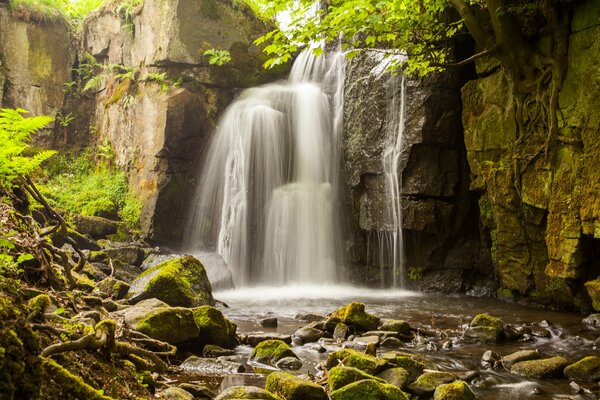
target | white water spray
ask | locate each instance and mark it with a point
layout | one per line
(267, 200)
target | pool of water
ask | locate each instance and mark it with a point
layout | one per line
(442, 319)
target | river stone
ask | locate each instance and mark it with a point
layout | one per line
(214, 327)
(254, 338)
(176, 393)
(246, 392)
(592, 320)
(115, 288)
(214, 351)
(368, 389)
(485, 328)
(270, 322)
(586, 369)
(308, 334)
(289, 363)
(366, 340)
(290, 387)
(458, 390)
(523, 355)
(173, 325)
(341, 331)
(352, 358)
(391, 342)
(178, 282)
(411, 363)
(125, 272)
(354, 315)
(212, 366)
(198, 391)
(428, 381)
(271, 351)
(546, 368)
(490, 359)
(394, 376)
(395, 325)
(341, 376)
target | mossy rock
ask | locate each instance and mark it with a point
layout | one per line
(368, 389)
(180, 282)
(37, 306)
(170, 324)
(546, 368)
(586, 369)
(82, 241)
(354, 315)
(395, 325)
(518, 356)
(341, 376)
(95, 227)
(352, 358)
(593, 289)
(115, 288)
(485, 328)
(394, 376)
(458, 390)
(176, 393)
(487, 320)
(290, 387)
(271, 351)
(428, 381)
(246, 392)
(214, 327)
(411, 363)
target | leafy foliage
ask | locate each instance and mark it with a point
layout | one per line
(218, 57)
(15, 133)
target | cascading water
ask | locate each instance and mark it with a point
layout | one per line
(268, 197)
(391, 241)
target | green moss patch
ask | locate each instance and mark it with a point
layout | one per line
(368, 389)
(354, 315)
(291, 387)
(271, 351)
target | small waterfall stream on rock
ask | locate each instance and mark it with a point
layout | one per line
(268, 198)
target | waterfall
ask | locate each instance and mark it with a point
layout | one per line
(391, 242)
(267, 198)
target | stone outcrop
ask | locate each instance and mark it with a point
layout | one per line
(439, 216)
(541, 209)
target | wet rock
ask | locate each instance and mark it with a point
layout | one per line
(214, 328)
(546, 368)
(354, 315)
(540, 332)
(575, 388)
(523, 355)
(586, 369)
(341, 376)
(412, 363)
(212, 366)
(366, 340)
(290, 387)
(173, 325)
(270, 322)
(429, 381)
(394, 376)
(289, 363)
(592, 321)
(511, 333)
(176, 393)
(214, 351)
(115, 288)
(596, 343)
(485, 328)
(111, 306)
(246, 392)
(125, 272)
(341, 331)
(95, 227)
(308, 317)
(593, 289)
(384, 334)
(467, 375)
(198, 391)
(254, 338)
(391, 342)
(490, 359)
(317, 347)
(368, 389)
(178, 282)
(352, 358)
(271, 351)
(307, 335)
(395, 325)
(458, 390)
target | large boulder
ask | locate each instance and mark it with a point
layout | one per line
(290, 387)
(586, 369)
(458, 390)
(352, 358)
(341, 376)
(429, 381)
(95, 227)
(546, 368)
(354, 315)
(485, 328)
(178, 282)
(271, 351)
(368, 389)
(214, 327)
(518, 356)
(170, 324)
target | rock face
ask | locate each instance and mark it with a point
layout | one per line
(438, 213)
(542, 212)
(159, 125)
(35, 63)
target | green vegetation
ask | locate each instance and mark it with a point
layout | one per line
(218, 57)
(78, 186)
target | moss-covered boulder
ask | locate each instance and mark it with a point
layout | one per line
(115, 288)
(290, 387)
(214, 327)
(395, 325)
(593, 289)
(133, 255)
(271, 351)
(179, 282)
(170, 324)
(176, 393)
(246, 392)
(394, 376)
(354, 315)
(352, 358)
(368, 389)
(341, 376)
(485, 328)
(411, 363)
(95, 227)
(586, 369)
(546, 368)
(518, 356)
(428, 381)
(458, 390)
